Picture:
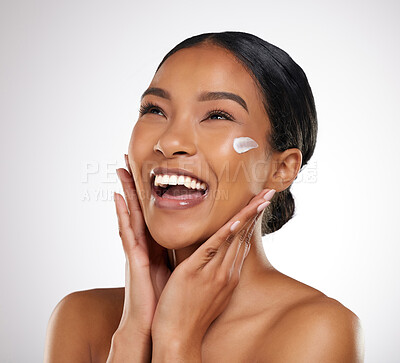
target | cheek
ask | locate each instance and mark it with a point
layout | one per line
(237, 182)
(236, 160)
(140, 151)
(139, 143)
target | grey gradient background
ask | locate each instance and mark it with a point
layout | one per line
(71, 74)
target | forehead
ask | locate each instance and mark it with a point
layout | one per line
(191, 71)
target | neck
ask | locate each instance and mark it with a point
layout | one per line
(256, 255)
(254, 266)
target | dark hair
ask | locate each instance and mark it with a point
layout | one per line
(287, 98)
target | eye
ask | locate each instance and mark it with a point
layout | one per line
(220, 114)
(149, 107)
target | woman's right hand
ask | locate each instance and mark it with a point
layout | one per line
(146, 273)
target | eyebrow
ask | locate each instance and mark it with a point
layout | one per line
(205, 96)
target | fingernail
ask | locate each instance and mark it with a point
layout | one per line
(270, 194)
(234, 225)
(127, 164)
(118, 175)
(262, 206)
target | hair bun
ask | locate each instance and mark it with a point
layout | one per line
(280, 211)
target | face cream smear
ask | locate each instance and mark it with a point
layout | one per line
(243, 144)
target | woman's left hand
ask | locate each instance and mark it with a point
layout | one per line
(200, 287)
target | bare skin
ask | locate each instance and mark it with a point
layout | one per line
(269, 317)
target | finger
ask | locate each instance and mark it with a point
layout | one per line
(216, 246)
(124, 224)
(247, 245)
(135, 211)
(227, 237)
(244, 250)
(242, 238)
(244, 235)
(137, 273)
(240, 254)
(237, 267)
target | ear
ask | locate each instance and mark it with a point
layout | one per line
(284, 169)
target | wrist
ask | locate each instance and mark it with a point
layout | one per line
(132, 332)
(130, 346)
(177, 350)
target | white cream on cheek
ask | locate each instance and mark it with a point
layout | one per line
(243, 144)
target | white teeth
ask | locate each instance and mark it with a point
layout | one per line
(173, 179)
(157, 180)
(165, 179)
(187, 181)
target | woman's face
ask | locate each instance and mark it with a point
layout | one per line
(179, 132)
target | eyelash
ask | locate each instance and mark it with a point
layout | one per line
(147, 106)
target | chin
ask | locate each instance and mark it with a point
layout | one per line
(174, 237)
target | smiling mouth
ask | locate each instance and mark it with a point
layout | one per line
(178, 187)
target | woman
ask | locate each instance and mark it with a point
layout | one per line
(225, 126)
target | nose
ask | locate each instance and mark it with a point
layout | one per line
(177, 139)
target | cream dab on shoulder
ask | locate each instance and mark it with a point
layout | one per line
(243, 144)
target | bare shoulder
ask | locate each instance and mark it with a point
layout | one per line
(318, 329)
(82, 323)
